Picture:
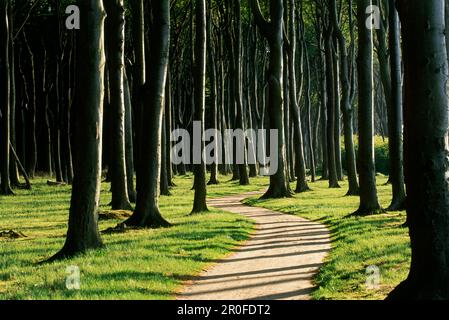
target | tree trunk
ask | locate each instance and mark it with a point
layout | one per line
(369, 203)
(146, 213)
(425, 149)
(138, 32)
(5, 73)
(31, 154)
(346, 105)
(14, 172)
(82, 233)
(300, 163)
(199, 202)
(129, 143)
(273, 32)
(395, 118)
(331, 98)
(115, 35)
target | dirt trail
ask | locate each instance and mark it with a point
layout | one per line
(277, 262)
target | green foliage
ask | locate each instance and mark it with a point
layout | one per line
(357, 243)
(381, 153)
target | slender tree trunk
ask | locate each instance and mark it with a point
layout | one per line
(346, 105)
(138, 31)
(273, 31)
(115, 35)
(395, 114)
(337, 124)
(330, 84)
(369, 203)
(31, 158)
(301, 182)
(129, 143)
(213, 95)
(14, 172)
(5, 74)
(146, 213)
(425, 149)
(82, 233)
(199, 202)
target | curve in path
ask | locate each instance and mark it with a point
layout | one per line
(277, 262)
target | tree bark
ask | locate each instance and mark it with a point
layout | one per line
(300, 163)
(82, 233)
(369, 203)
(425, 149)
(331, 98)
(199, 202)
(5, 74)
(395, 114)
(346, 104)
(115, 35)
(147, 213)
(273, 32)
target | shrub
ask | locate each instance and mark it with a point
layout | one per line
(381, 152)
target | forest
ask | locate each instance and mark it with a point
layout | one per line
(224, 149)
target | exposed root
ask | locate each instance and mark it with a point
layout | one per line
(114, 215)
(11, 234)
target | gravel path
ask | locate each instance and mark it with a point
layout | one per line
(277, 262)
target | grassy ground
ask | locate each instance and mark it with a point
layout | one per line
(144, 264)
(357, 242)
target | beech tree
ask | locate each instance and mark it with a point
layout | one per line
(115, 35)
(369, 203)
(346, 102)
(147, 213)
(82, 233)
(199, 202)
(395, 118)
(273, 32)
(425, 149)
(5, 107)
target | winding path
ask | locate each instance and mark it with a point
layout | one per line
(277, 262)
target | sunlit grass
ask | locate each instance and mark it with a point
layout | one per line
(142, 264)
(357, 242)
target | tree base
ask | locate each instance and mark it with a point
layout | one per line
(121, 205)
(364, 212)
(277, 193)
(151, 220)
(397, 205)
(334, 185)
(132, 195)
(418, 290)
(68, 253)
(213, 182)
(352, 193)
(302, 188)
(6, 191)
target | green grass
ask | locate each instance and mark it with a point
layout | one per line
(357, 242)
(139, 264)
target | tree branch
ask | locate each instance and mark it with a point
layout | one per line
(263, 24)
